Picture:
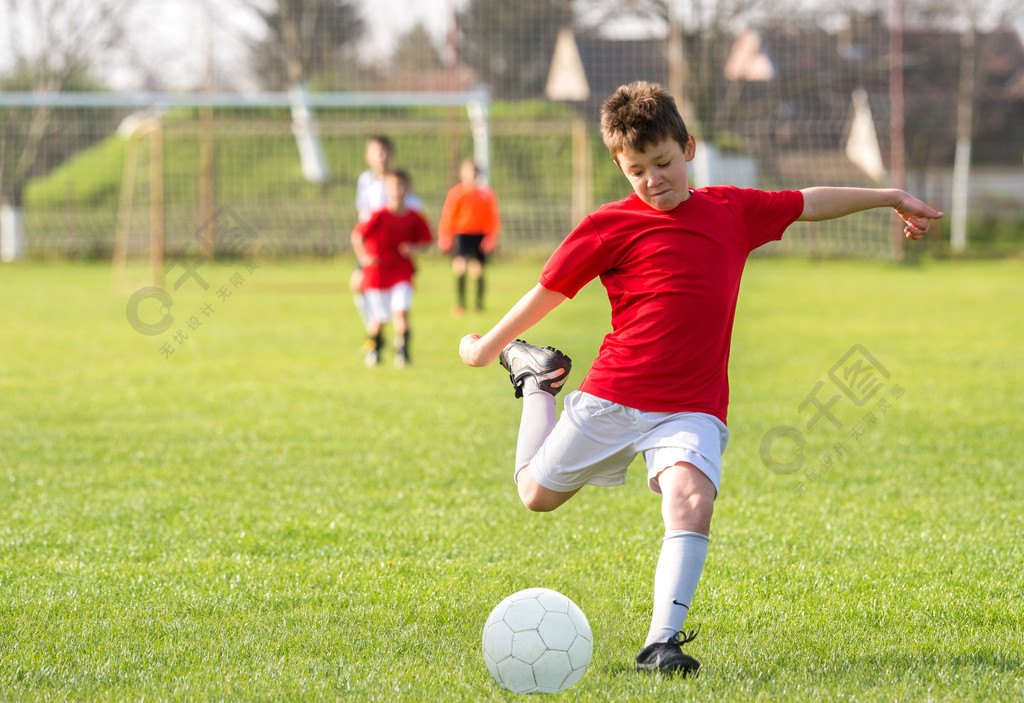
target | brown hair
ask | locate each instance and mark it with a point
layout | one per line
(638, 115)
(385, 142)
(401, 175)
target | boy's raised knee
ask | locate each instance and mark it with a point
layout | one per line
(531, 496)
(538, 498)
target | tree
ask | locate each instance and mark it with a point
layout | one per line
(698, 34)
(55, 46)
(510, 43)
(306, 38)
(415, 51)
(969, 16)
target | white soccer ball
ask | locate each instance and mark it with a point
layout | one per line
(537, 641)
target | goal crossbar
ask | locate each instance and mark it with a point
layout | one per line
(276, 99)
(476, 102)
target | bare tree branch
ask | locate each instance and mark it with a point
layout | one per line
(53, 41)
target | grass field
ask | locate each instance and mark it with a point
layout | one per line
(256, 516)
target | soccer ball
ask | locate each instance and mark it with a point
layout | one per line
(537, 641)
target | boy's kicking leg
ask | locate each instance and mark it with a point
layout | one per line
(539, 418)
(537, 374)
(688, 498)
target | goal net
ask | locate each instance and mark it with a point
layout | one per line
(149, 171)
(779, 98)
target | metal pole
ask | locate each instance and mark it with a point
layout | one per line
(581, 171)
(207, 164)
(964, 131)
(897, 145)
(156, 203)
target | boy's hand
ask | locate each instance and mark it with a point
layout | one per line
(468, 350)
(917, 215)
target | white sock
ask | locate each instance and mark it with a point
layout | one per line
(539, 417)
(675, 582)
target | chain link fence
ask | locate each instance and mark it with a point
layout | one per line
(774, 107)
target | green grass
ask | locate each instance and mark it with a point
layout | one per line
(259, 517)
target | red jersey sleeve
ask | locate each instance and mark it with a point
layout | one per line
(769, 213)
(579, 259)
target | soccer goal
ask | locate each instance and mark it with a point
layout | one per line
(285, 163)
(153, 168)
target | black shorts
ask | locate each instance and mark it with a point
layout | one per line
(469, 246)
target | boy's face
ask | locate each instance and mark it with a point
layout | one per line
(377, 157)
(658, 173)
(395, 189)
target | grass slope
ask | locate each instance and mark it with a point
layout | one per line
(257, 516)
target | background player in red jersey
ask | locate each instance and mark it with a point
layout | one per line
(371, 196)
(671, 259)
(384, 246)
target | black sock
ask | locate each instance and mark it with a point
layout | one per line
(460, 290)
(402, 347)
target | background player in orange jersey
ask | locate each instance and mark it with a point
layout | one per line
(469, 229)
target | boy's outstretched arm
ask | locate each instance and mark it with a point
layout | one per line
(531, 309)
(826, 203)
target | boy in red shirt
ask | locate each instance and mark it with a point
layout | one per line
(384, 246)
(671, 259)
(469, 228)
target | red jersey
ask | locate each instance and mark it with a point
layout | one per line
(672, 279)
(383, 234)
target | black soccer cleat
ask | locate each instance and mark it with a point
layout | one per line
(668, 657)
(548, 365)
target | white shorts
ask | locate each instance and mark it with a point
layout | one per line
(382, 303)
(595, 441)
